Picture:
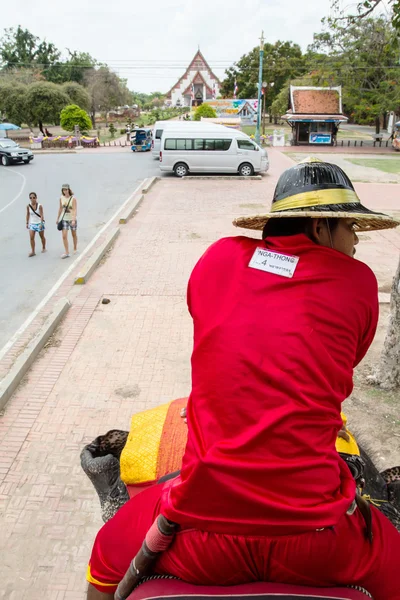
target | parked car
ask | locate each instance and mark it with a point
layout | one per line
(11, 152)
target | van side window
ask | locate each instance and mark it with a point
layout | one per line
(198, 145)
(223, 144)
(158, 134)
(184, 144)
(170, 144)
(246, 145)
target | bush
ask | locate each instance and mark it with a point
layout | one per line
(112, 129)
(73, 115)
(206, 111)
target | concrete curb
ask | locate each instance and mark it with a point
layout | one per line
(96, 257)
(22, 364)
(54, 152)
(130, 210)
(149, 182)
(214, 177)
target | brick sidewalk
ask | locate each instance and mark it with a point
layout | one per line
(108, 361)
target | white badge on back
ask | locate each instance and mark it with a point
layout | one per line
(274, 262)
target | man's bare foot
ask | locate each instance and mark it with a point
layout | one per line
(32, 254)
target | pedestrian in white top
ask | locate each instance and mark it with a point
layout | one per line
(35, 222)
(68, 213)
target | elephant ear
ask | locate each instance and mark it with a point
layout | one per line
(391, 475)
(391, 512)
(394, 494)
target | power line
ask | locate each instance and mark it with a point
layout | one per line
(173, 66)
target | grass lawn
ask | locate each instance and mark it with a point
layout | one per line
(387, 165)
(269, 130)
(347, 134)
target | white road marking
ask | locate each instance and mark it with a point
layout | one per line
(63, 277)
(20, 191)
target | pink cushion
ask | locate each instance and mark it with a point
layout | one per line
(172, 588)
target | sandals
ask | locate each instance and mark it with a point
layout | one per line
(64, 255)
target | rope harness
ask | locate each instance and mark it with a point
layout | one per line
(157, 540)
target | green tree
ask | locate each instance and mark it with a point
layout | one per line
(107, 91)
(364, 9)
(72, 115)
(77, 94)
(362, 58)
(77, 67)
(19, 75)
(206, 111)
(13, 102)
(282, 61)
(44, 102)
(20, 48)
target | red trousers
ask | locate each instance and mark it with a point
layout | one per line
(334, 556)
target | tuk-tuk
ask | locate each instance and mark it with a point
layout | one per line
(396, 137)
(141, 139)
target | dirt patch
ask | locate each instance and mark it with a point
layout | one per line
(385, 288)
(374, 414)
(128, 391)
(53, 342)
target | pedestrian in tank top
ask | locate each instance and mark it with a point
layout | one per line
(35, 222)
(67, 212)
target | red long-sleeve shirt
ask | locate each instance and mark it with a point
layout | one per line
(272, 362)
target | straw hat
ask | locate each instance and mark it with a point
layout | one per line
(317, 189)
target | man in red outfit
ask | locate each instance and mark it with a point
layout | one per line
(279, 325)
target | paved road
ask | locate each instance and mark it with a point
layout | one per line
(101, 183)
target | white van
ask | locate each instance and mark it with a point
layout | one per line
(208, 150)
(159, 127)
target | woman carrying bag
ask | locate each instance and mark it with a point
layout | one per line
(35, 222)
(68, 210)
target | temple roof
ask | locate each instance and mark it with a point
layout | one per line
(197, 64)
(198, 78)
(315, 100)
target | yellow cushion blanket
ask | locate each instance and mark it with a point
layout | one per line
(157, 440)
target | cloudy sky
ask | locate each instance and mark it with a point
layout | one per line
(151, 42)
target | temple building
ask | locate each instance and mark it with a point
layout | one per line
(197, 85)
(315, 114)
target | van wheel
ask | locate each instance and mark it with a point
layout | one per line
(246, 170)
(4, 161)
(181, 170)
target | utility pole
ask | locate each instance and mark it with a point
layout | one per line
(264, 94)
(260, 82)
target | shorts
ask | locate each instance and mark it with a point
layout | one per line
(68, 225)
(38, 227)
(339, 555)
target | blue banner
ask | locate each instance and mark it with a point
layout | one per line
(320, 138)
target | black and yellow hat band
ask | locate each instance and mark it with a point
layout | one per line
(315, 198)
